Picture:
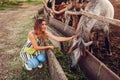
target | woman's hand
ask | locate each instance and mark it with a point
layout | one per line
(73, 37)
(51, 47)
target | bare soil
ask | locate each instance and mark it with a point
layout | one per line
(14, 26)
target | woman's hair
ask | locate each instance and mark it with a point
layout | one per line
(38, 29)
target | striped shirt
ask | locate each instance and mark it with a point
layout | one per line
(28, 51)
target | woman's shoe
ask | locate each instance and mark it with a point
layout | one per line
(40, 65)
(28, 68)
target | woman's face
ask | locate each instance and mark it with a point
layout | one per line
(43, 26)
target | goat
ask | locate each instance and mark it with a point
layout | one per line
(77, 6)
(86, 24)
(57, 5)
(59, 9)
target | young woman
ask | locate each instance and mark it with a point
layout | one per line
(35, 38)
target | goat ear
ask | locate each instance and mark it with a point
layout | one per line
(88, 43)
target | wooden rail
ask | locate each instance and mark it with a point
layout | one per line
(100, 18)
(69, 30)
(55, 69)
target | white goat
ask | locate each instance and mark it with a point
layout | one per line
(85, 25)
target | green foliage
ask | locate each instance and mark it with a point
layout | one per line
(65, 62)
(11, 4)
(34, 2)
(7, 7)
(8, 2)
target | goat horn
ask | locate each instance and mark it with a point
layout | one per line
(87, 44)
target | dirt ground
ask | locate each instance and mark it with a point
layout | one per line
(12, 24)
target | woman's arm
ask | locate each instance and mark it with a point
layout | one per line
(31, 37)
(50, 35)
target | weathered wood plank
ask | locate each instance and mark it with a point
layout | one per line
(55, 69)
(55, 23)
(100, 18)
